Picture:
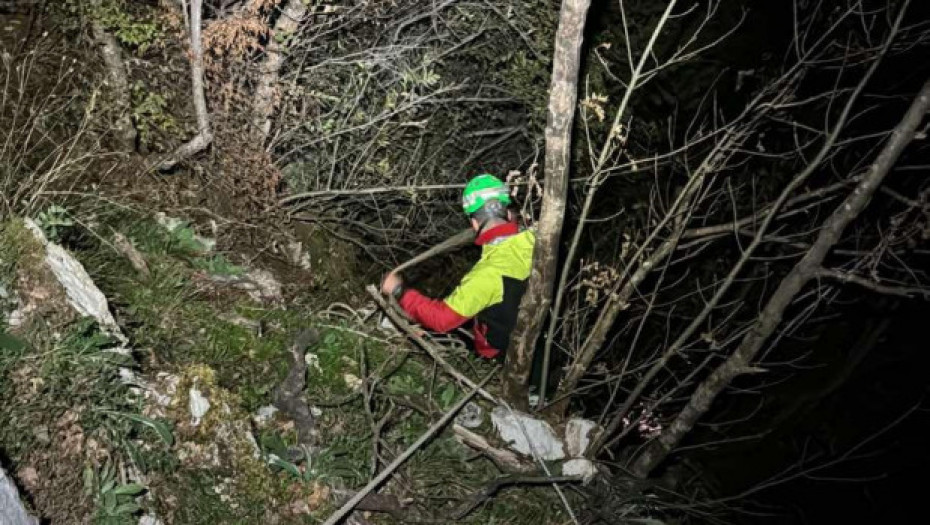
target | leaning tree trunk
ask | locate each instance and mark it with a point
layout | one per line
(806, 269)
(562, 97)
(204, 135)
(118, 82)
(266, 93)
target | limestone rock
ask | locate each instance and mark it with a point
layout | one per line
(82, 293)
(12, 511)
(581, 467)
(578, 435)
(527, 435)
(198, 406)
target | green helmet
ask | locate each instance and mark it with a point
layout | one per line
(481, 189)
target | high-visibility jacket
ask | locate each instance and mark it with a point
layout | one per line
(489, 293)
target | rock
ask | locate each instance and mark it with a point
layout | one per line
(264, 415)
(150, 519)
(82, 293)
(128, 250)
(313, 361)
(581, 467)
(266, 286)
(12, 511)
(471, 415)
(386, 325)
(578, 435)
(527, 435)
(298, 256)
(352, 381)
(198, 405)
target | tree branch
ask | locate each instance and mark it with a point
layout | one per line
(805, 270)
(562, 97)
(204, 133)
(847, 277)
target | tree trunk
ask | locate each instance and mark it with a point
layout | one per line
(204, 134)
(805, 270)
(266, 94)
(563, 95)
(118, 82)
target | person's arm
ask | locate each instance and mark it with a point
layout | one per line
(433, 314)
(475, 293)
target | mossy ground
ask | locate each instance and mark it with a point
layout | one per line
(235, 350)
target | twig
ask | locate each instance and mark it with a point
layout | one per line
(436, 427)
(846, 277)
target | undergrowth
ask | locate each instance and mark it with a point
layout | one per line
(365, 385)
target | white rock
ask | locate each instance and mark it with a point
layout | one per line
(198, 405)
(313, 361)
(82, 293)
(578, 434)
(527, 435)
(265, 414)
(12, 511)
(315, 411)
(299, 257)
(150, 519)
(266, 286)
(471, 416)
(387, 325)
(579, 467)
(352, 381)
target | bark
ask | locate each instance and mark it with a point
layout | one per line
(803, 272)
(562, 98)
(266, 95)
(204, 133)
(118, 82)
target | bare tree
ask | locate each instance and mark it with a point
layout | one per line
(266, 93)
(807, 269)
(117, 81)
(562, 96)
(204, 135)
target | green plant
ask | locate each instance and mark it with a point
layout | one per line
(160, 427)
(150, 113)
(217, 265)
(53, 220)
(115, 502)
(128, 29)
(9, 342)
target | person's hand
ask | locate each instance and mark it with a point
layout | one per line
(391, 281)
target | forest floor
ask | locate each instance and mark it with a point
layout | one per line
(87, 447)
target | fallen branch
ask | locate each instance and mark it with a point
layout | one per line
(417, 335)
(337, 516)
(463, 238)
(504, 459)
